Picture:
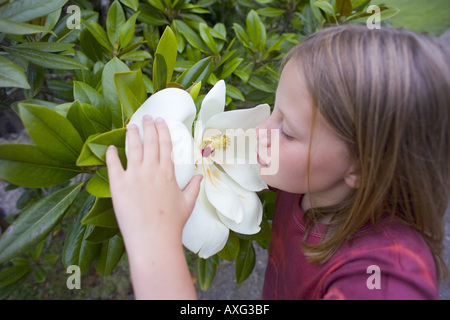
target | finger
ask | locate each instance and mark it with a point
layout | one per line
(192, 190)
(134, 146)
(151, 147)
(113, 164)
(165, 144)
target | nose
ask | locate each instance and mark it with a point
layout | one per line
(262, 134)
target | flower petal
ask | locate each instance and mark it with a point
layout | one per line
(204, 233)
(240, 119)
(251, 204)
(220, 195)
(213, 103)
(239, 159)
(168, 103)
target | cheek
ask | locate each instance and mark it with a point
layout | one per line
(292, 171)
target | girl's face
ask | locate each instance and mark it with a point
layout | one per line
(331, 177)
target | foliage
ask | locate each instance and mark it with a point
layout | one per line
(80, 84)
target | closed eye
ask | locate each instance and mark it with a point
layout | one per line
(285, 135)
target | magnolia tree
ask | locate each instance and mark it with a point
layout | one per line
(76, 79)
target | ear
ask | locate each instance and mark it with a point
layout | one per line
(352, 178)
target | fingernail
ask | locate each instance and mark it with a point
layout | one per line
(132, 126)
(159, 120)
(111, 147)
(148, 117)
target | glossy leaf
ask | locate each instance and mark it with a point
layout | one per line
(114, 22)
(78, 251)
(36, 222)
(256, 31)
(206, 270)
(231, 249)
(98, 32)
(167, 47)
(110, 254)
(98, 185)
(46, 59)
(51, 132)
(94, 149)
(127, 31)
(14, 27)
(22, 11)
(101, 214)
(26, 165)
(110, 91)
(199, 72)
(245, 261)
(87, 119)
(160, 72)
(12, 75)
(130, 90)
(344, 7)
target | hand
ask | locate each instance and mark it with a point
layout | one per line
(149, 206)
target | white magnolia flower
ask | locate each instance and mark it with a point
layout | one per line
(223, 151)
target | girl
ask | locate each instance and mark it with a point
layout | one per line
(363, 179)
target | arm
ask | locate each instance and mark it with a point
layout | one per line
(151, 212)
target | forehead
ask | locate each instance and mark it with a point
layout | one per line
(292, 97)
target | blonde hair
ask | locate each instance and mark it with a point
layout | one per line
(386, 93)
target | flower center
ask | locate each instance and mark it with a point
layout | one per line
(221, 142)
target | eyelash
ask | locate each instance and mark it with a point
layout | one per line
(285, 135)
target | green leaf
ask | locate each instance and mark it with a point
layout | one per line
(199, 72)
(20, 28)
(167, 47)
(45, 46)
(87, 119)
(229, 68)
(127, 31)
(99, 33)
(325, 6)
(130, 90)
(344, 7)
(231, 249)
(110, 255)
(205, 33)
(101, 214)
(78, 251)
(13, 274)
(270, 12)
(195, 89)
(256, 31)
(159, 72)
(114, 22)
(245, 261)
(85, 93)
(36, 222)
(101, 234)
(110, 91)
(12, 75)
(133, 4)
(191, 36)
(22, 11)
(26, 165)
(95, 147)
(98, 185)
(206, 270)
(46, 59)
(51, 132)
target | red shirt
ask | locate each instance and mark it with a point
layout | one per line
(387, 261)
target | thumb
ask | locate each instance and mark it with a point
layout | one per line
(193, 188)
